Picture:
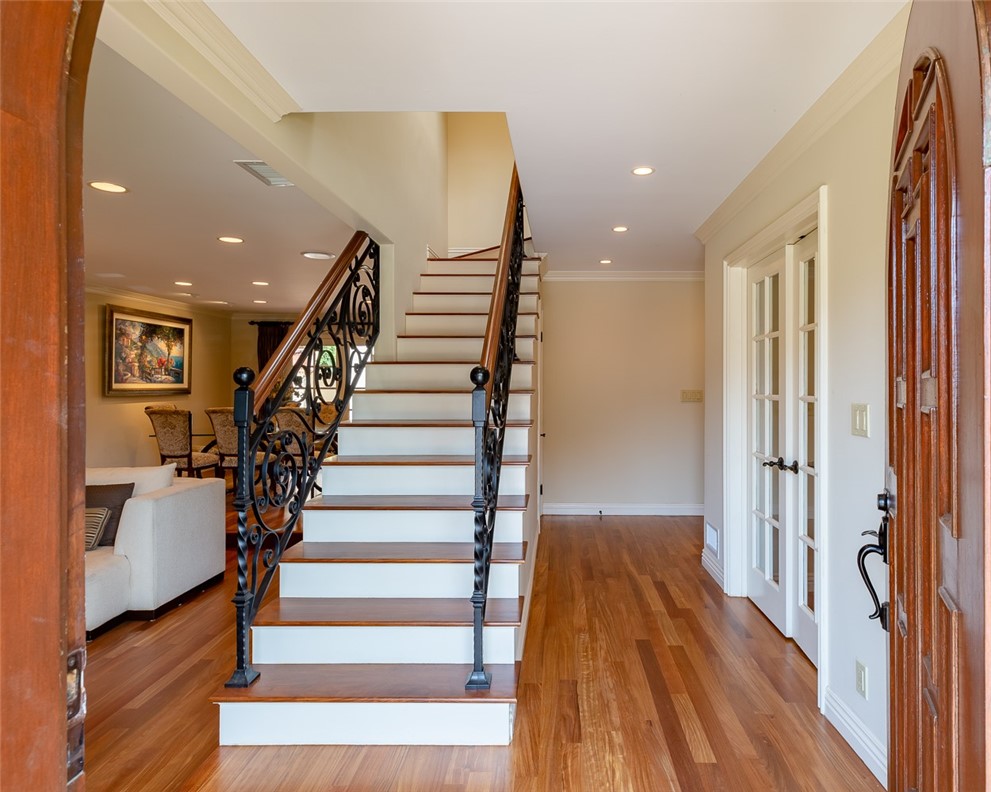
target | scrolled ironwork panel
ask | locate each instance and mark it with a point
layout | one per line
(283, 444)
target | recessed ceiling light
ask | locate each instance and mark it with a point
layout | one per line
(620, 229)
(259, 283)
(216, 302)
(317, 254)
(183, 294)
(642, 170)
(260, 302)
(109, 187)
(605, 261)
(182, 283)
(231, 240)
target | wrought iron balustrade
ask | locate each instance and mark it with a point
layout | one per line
(489, 405)
(287, 423)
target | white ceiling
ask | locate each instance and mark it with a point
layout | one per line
(184, 192)
(699, 90)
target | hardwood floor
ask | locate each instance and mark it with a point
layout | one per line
(638, 675)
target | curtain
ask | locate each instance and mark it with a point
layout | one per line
(270, 335)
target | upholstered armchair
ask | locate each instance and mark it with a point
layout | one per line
(174, 433)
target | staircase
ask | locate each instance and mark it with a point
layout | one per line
(370, 638)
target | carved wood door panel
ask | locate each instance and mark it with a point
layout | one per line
(937, 422)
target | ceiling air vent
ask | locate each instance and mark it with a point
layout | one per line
(264, 172)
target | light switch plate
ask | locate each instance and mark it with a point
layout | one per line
(860, 420)
(691, 395)
(862, 679)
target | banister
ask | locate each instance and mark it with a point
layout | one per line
(286, 431)
(297, 333)
(490, 344)
(489, 410)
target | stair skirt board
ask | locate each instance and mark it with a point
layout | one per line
(412, 406)
(379, 644)
(414, 479)
(417, 440)
(373, 579)
(435, 376)
(366, 723)
(338, 525)
(453, 301)
(456, 348)
(474, 266)
(461, 324)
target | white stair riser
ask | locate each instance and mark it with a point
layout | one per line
(379, 644)
(471, 283)
(426, 376)
(414, 440)
(338, 525)
(428, 406)
(425, 348)
(467, 302)
(462, 324)
(366, 723)
(447, 580)
(462, 266)
(415, 480)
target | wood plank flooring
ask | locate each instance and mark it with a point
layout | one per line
(638, 675)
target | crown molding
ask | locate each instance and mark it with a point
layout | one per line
(880, 60)
(675, 276)
(154, 301)
(202, 29)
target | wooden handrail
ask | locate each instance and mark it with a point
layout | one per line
(297, 333)
(490, 344)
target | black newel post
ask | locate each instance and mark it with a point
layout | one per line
(244, 407)
(479, 679)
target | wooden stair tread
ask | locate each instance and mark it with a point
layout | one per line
(471, 274)
(457, 335)
(410, 502)
(400, 552)
(467, 389)
(472, 258)
(370, 612)
(408, 423)
(464, 313)
(383, 682)
(440, 363)
(448, 294)
(412, 459)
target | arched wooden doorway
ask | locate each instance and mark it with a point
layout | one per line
(45, 49)
(939, 423)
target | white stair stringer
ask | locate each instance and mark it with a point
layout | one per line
(393, 523)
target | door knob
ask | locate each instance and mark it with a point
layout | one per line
(779, 463)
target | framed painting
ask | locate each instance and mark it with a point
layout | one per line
(146, 354)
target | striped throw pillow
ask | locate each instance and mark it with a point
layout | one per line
(96, 521)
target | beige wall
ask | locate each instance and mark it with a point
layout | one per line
(116, 427)
(479, 163)
(385, 173)
(844, 144)
(616, 356)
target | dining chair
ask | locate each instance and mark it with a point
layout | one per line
(225, 431)
(174, 433)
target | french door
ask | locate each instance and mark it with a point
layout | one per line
(783, 432)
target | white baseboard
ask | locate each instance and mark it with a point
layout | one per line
(631, 509)
(711, 565)
(864, 742)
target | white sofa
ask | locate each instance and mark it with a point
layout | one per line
(170, 540)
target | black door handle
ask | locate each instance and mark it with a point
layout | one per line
(880, 548)
(779, 463)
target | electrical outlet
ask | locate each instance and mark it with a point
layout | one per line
(691, 395)
(862, 679)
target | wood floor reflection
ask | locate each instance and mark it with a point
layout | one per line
(639, 674)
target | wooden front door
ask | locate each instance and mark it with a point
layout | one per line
(45, 49)
(938, 426)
